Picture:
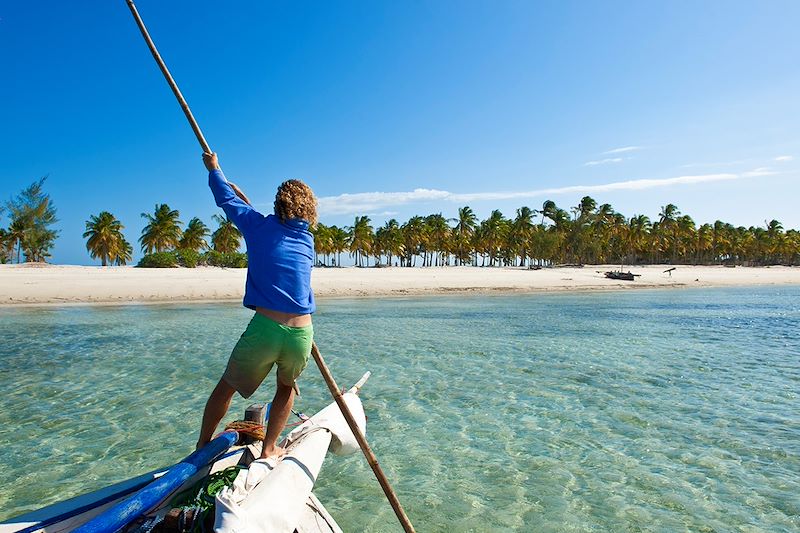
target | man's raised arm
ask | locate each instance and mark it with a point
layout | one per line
(239, 193)
(228, 196)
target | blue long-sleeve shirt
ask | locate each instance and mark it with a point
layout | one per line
(279, 254)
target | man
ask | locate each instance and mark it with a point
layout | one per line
(280, 252)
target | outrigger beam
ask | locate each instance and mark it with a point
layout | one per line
(136, 505)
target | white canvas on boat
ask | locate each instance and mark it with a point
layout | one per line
(270, 497)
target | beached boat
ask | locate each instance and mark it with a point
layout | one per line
(262, 495)
(618, 274)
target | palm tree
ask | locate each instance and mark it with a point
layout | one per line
(703, 245)
(162, 231)
(548, 210)
(361, 239)
(194, 236)
(775, 241)
(668, 213)
(389, 240)
(521, 233)
(559, 229)
(719, 240)
(639, 227)
(438, 233)
(583, 245)
(463, 232)
(340, 240)
(668, 229)
(322, 243)
(124, 254)
(492, 234)
(105, 239)
(686, 236)
(413, 235)
(16, 234)
(792, 250)
(227, 237)
(586, 208)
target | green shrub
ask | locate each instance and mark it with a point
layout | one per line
(188, 258)
(159, 260)
(233, 260)
(212, 258)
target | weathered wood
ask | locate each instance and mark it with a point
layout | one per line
(254, 413)
(174, 86)
(362, 441)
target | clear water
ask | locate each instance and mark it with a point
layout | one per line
(631, 411)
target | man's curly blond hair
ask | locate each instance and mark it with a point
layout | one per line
(295, 199)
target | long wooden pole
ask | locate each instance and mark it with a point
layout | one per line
(323, 368)
(174, 86)
(362, 441)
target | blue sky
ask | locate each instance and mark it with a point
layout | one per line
(398, 108)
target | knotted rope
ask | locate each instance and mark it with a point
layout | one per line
(244, 427)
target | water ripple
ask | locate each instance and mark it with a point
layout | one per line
(646, 411)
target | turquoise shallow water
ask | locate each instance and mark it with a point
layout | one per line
(629, 411)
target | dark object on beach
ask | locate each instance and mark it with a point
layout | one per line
(669, 271)
(535, 267)
(618, 274)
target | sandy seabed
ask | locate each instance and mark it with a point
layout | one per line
(59, 284)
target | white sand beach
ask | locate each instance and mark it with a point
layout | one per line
(62, 284)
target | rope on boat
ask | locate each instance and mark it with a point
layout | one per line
(256, 430)
(244, 427)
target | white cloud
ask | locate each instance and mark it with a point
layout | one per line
(374, 201)
(603, 161)
(622, 150)
(761, 171)
(784, 158)
(359, 203)
(718, 164)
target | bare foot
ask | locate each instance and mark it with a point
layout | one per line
(275, 452)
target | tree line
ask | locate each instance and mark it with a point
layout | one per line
(163, 241)
(585, 234)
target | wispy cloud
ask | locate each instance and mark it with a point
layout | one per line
(622, 150)
(719, 164)
(603, 161)
(758, 172)
(784, 158)
(357, 203)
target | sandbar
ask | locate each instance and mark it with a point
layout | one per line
(34, 284)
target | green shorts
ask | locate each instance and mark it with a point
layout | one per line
(264, 343)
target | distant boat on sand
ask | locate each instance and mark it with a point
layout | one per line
(618, 274)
